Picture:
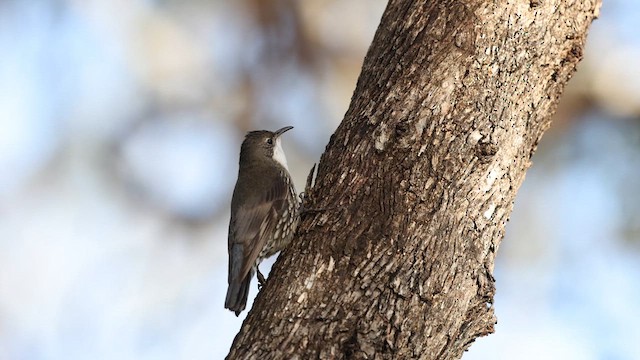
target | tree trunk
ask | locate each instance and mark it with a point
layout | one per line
(415, 187)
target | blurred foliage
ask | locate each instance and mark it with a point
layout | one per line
(121, 123)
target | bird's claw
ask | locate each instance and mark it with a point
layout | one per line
(261, 279)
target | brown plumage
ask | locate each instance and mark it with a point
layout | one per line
(264, 212)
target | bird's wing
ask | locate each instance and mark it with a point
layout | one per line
(255, 221)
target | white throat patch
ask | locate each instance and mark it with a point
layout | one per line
(278, 154)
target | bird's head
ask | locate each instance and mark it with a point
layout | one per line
(262, 145)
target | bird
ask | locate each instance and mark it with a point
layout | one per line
(264, 212)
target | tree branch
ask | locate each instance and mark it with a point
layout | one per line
(418, 182)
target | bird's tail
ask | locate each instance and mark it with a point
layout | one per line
(238, 289)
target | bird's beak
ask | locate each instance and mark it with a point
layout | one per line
(283, 130)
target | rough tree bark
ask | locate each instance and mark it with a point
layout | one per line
(418, 182)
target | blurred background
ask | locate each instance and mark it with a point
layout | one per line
(120, 127)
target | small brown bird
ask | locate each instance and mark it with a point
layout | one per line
(264, 212)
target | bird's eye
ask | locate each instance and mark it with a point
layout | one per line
(270, 141)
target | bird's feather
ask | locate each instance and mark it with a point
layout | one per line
(255, 220)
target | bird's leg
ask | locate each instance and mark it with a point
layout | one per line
(261, 279)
